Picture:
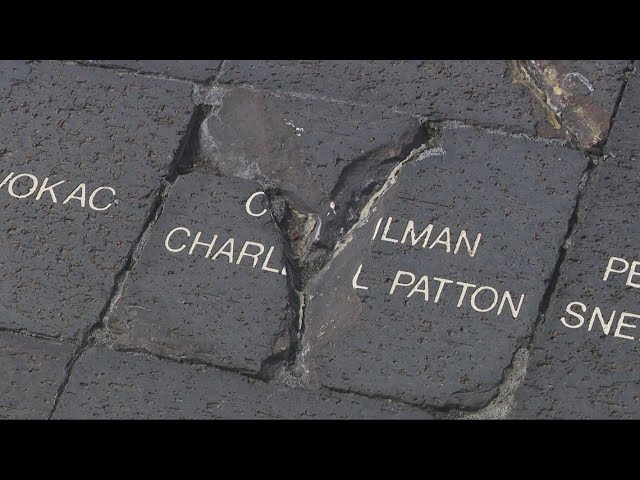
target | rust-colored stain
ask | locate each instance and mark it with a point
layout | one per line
(569, 99)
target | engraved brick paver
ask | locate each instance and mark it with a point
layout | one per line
(319, 239)
(585, 366)
(100, 133)
(107, 384)
(442, 282)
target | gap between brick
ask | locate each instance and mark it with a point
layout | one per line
(513, 376)
(176, 168)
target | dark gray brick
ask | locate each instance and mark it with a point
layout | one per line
(585, 372)
(78, 125)
(205, 304)
(107, 384)
(519, 195)
(198, 70)
(32, 371)
(477, 92)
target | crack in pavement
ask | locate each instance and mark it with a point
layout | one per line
(217, 75)
(191, 361)
(500, 405)
(308, 242)
(629, 71)
(87, 334)
(129, 70)
(449, 123)
(513, 376)
(41, 336)
(297, 370)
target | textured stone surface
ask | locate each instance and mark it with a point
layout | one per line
(198, 70)
(519, 196)
(303, 147)
(32, 371)
(624, 139)
(79, 125)
(581, 94)
(222, 308)
(477, 92)
(107, 384)
(586, 372)
(360, 162)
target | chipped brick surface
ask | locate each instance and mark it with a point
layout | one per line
(582, 95)
(308, 154)
(300, 146)
(478, 92)
(426, 347)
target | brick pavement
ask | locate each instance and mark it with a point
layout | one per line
(319, 239)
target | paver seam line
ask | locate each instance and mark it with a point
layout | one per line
(134, 252)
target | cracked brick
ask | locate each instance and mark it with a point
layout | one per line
(518, 195)
(299, 146)
(319, 161)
